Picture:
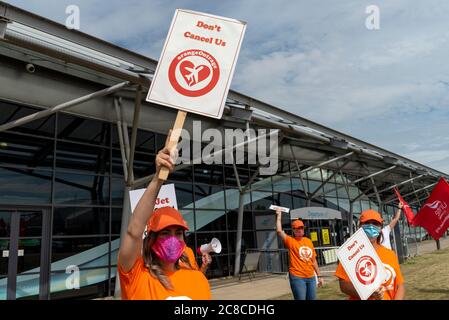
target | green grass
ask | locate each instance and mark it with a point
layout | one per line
(426, 278)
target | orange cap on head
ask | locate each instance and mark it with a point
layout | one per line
(297, 224)
(370, 215)
(165, 217)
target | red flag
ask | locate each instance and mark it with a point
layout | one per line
(407, 210)
(434, 214)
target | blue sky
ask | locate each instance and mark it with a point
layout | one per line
(389, 87)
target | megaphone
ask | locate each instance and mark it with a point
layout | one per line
(213, 246)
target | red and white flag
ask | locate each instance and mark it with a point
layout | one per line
(407, 210)
(434, 214)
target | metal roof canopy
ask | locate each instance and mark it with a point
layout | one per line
(315, 145)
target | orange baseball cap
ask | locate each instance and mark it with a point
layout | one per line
(297, 224)
(165, 217)
(370, 215)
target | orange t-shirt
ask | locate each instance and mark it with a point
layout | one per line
(391, 264)
(302, 254)
(189, 252)
(139, 284)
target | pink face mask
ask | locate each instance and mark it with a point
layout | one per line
(168, 249)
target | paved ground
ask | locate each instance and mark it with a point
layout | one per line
(267, 287)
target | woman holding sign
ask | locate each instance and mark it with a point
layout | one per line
(150, 269)
(393, 287)
(303, 264)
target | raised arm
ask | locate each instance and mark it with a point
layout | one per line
(396, 217)
(279, 230)
(131, 244)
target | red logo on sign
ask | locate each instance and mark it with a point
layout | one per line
(366, 270)
(194, 73)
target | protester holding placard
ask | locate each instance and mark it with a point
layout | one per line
(303, 264)
(393, 287)
(149, 269)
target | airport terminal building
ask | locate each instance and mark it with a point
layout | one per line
(76, 135)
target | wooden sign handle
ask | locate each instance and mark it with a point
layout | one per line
(174, 137)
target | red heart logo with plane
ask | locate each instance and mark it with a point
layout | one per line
(193, 74)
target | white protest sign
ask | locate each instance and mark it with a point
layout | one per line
(197, 63)
(283, 209)
(165, 198)
(362, 264)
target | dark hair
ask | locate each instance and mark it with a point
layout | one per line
(154, 264)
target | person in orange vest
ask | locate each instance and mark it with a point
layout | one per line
(149, 269)
(303, 264)
(393, 287)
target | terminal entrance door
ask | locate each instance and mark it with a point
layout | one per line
(322, 233)
(24, 253)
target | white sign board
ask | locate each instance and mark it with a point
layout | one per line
(362, 264)
(197, 63)
(283, 209)
(165, 198)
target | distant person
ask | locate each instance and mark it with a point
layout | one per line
(303, 264)
(390, 227)
(393, 287)
(149, 269)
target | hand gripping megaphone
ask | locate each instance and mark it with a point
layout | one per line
(213, 246)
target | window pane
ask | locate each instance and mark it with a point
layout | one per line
(5, 223)
(84, 130)
(263, 184)
(209, 174)
(297, 185)
(219, 267)
(210, 220)
(93, 284)
(281, 184)
(30, 224)
(41, 127)
(80, 221)
(233, 198)
(21, 150)
(21, 186)
(282, 199)
(261, 200)
(81, 189)
(30, 261)
(243, 172)
(116, 220)
(343, 204)
(117, 189)
(184, 195)
(209, 197)
(4, 245)
(247, 220)
(143, 165)
(82, 158)
(117, 165)
(184, 175)
(247, 241)
(64, 251)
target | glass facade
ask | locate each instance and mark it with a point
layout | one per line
(72, 167)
